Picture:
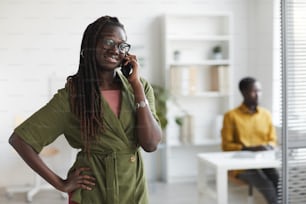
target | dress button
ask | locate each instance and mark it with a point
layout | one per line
(133, 159)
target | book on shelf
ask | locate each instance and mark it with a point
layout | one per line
(219, 79)
(186, 130)
(183, 80)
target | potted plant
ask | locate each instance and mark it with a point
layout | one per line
(185, 123)
(183, 120)
(217, 52)
(161, 97)
(176, 55)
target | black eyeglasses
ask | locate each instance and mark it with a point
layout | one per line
(122, 47)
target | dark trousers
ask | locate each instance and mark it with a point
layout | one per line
(265, 180)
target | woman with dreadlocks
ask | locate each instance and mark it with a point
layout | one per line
(106, 115)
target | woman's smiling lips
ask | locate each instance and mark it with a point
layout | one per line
(111, 58)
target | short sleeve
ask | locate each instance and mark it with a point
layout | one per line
(149, 92)
(45, 125)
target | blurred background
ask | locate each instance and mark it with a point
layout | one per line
(40, 45)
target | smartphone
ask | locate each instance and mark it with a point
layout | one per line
(126, 69)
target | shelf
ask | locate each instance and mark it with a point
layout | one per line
(199, 82)
(203, 94)
(199, 37)
(200, 62)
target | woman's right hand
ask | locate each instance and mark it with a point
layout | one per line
(77, 180)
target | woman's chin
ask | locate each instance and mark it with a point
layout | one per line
(107, 68)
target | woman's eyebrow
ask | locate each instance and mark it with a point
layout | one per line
(106, 34)
(110, 35)
(119, 41)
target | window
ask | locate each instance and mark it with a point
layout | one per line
(294, 101)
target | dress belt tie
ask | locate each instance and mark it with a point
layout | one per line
(112, 186)
(111, 172)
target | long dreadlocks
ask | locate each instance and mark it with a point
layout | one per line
(84, 91)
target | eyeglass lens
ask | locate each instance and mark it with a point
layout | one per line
(123, 47)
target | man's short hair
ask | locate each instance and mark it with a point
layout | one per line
(245, 83)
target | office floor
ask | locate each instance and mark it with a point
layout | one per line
(178, 193)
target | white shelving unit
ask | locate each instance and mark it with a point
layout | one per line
(200, 87)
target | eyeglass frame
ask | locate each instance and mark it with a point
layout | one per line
(117, 45)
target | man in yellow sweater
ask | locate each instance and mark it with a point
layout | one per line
(249, 127)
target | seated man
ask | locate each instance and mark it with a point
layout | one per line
(249, 127)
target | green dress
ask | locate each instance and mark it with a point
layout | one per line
(115, 159)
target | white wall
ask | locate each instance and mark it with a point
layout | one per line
(39, 39)
(261, 47)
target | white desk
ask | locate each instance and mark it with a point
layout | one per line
(222, 162)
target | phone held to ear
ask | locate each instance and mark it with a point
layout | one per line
(126, 69)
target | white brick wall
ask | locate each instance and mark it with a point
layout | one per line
(41, 38)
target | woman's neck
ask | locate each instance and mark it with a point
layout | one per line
(107, 80)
